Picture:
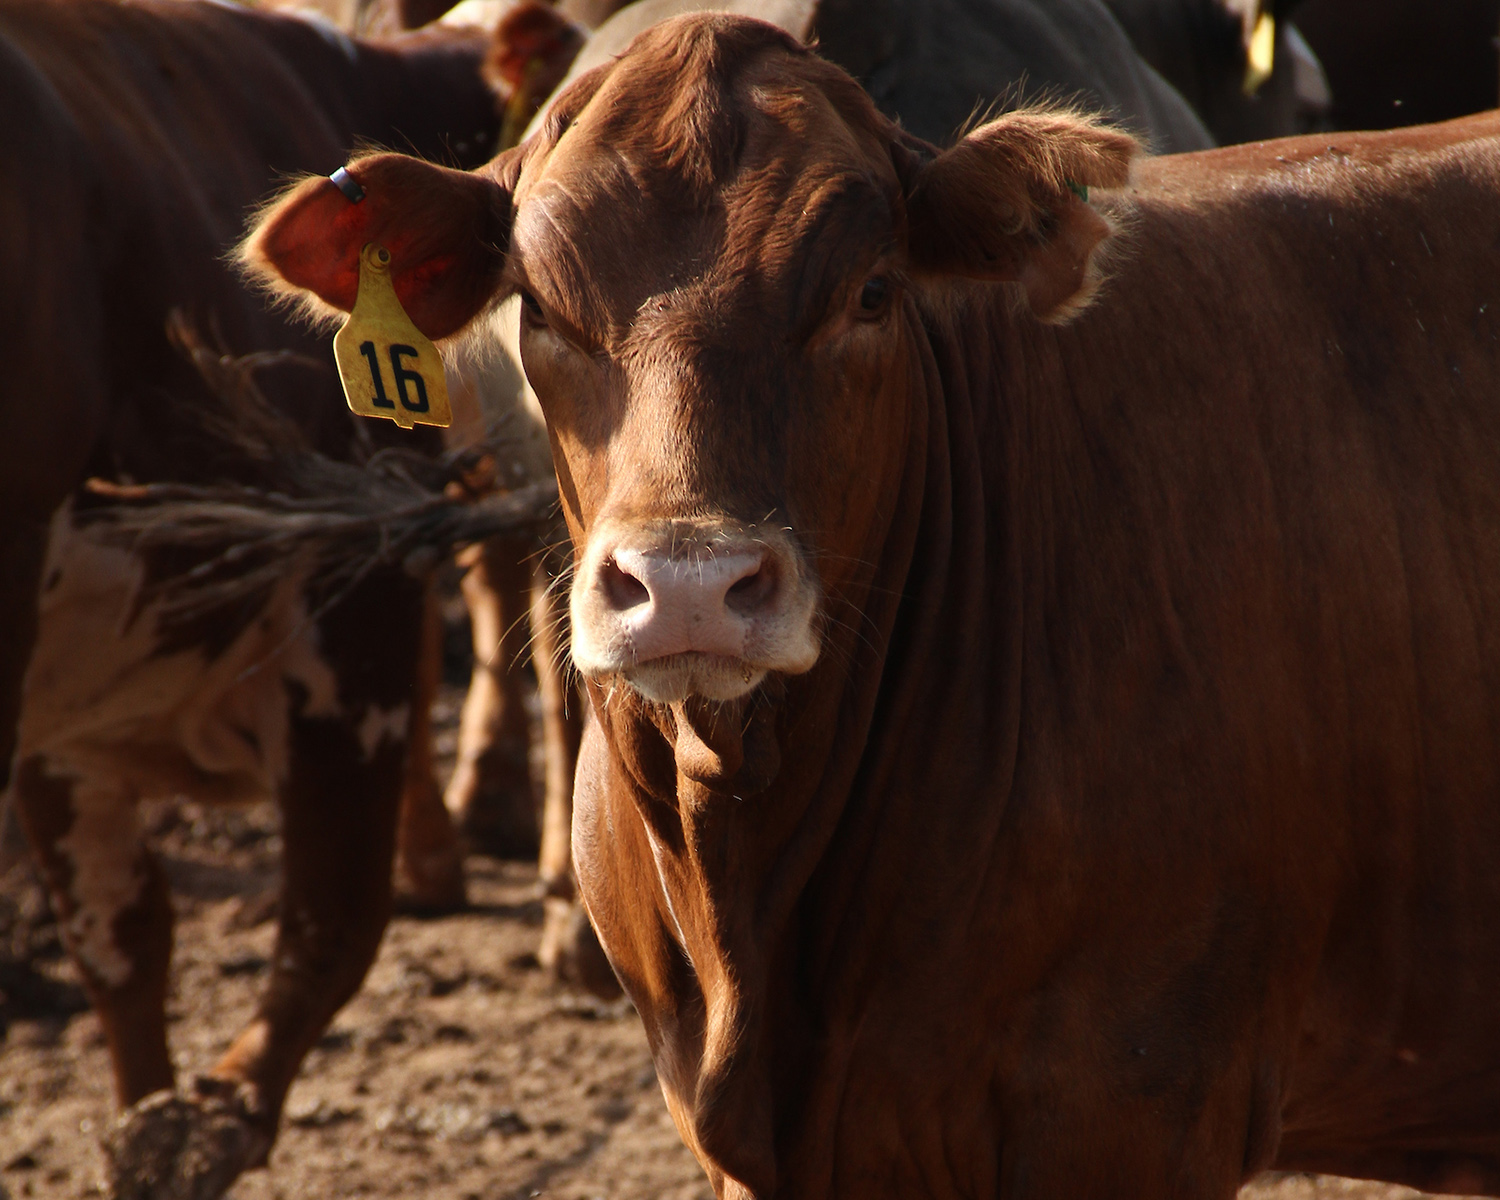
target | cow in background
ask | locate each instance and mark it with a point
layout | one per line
(507, 582)
(137, 137)
(1045, 712)
(1202, 48)
(1342, 64)
(490, 794)
(934, 64)
(1354, 64)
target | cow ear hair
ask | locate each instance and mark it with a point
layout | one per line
(1009, 202)
(447, 232)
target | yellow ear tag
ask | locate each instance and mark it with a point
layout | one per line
(388, 368)
(1262, 53)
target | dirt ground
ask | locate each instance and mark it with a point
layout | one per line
(459, 1072)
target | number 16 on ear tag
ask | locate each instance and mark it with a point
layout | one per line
(388, 368)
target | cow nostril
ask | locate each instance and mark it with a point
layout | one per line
(753, 591)
(622, 589)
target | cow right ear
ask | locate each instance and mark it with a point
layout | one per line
(447, 232)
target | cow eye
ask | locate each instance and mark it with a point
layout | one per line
(874, 296)
(533, 309)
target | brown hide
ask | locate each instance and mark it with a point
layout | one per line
(892, 47)
(1133, 829)
(489, 794)
(163, 159)
(429, 870)
(1152, 843)
(138, 136)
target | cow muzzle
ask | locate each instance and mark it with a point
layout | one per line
(692, 608)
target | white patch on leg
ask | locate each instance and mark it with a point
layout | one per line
(102, 697)
(103, 847)
(382, 723)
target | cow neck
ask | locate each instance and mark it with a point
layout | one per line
(930, 796)
(764, 886)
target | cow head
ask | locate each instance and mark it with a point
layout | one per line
(723, 253)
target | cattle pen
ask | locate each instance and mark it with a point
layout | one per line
(957, 575)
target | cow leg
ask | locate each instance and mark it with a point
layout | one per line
(113, 910)
(46, 304)
(23, 545)
(429, 860)
(490, 792)
(340, 795)
(569, 948)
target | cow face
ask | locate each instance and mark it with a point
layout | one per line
(721, 251)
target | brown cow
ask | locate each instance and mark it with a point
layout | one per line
(136, 137)
(904, 50)
(1031, 759)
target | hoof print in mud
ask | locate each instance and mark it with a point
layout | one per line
(174, 1147)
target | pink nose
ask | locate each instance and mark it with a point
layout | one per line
(704, 603)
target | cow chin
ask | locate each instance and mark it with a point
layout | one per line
(678, 677)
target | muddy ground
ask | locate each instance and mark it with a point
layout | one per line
(458, 1073)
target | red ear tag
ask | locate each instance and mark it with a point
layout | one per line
(388, 368)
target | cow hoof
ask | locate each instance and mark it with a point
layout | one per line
(571, 951)
(173, 1147)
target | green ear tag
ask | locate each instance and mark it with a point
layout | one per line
(389, 369)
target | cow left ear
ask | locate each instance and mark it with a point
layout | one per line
(1009, 202)
(447, 232)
